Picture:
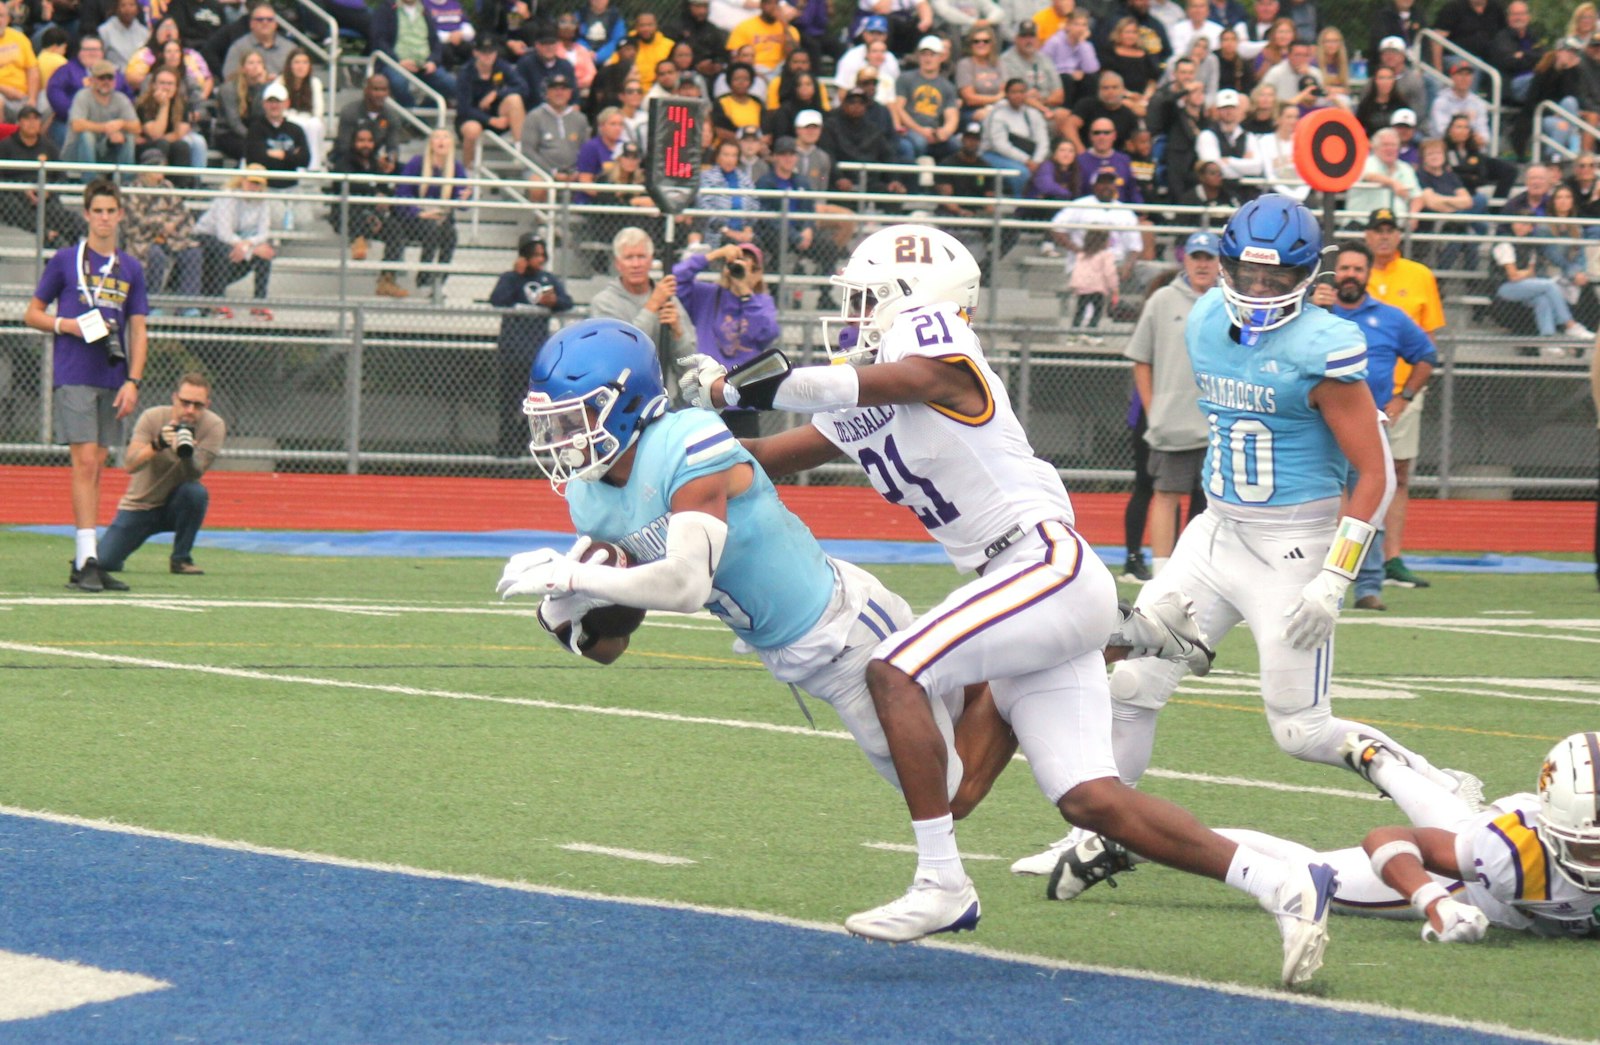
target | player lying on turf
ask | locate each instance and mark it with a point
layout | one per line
(1530, 862)
(931, 424)
(703, 526)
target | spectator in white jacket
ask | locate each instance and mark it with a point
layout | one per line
(1015, 137)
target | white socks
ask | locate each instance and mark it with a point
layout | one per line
(86, 547)
(937, 855)
(1256, 873)
(1157, 564)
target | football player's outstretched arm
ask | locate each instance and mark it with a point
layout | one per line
(1403, 856)
(768, 382)
(796, 450)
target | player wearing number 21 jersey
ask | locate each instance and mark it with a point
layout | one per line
(930, 423)
(1282, 383)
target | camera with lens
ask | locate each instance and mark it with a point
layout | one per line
(737, 269)
(183, 440)
(115, 353)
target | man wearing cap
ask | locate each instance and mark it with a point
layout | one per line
(814, 167)
(533, 296)
(850, 137)
(541, 64)
(488, 97)
(771, 37)
(1177, 432)
(926, 106)
(275, 141)
(264, 37)
(1408, 82)
(101, 124)
(1128, 243)
(1226, 144)
(1392, 337)
(1517, 49)
(555, 131)
(1460, 100)
(782, 176)
(1404, 122)
(1023, 61)
(19, 67)
(1471, 25)
(1411, 288)
(72, 77)
(30, 144)
(874, 29)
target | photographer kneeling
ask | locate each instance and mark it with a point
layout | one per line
(171, 448)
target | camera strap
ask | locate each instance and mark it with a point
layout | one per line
(106, 272)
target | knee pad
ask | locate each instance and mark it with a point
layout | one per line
(1143, 683)
(1305, 734)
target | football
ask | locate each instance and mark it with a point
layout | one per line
(610, 622)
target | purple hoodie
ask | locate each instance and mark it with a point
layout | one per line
(730, 330)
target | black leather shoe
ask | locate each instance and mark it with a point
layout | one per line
(87, 578)
(186, 568)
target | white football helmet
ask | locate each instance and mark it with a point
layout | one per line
(1569, 807)
(896, 268)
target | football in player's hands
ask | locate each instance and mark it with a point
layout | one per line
(610, 622)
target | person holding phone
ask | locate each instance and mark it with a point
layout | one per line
(99, 354)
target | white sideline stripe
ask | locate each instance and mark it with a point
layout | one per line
(1037, 961)
(31, 986)
(550, 705)
(901, 847)
(626, 854)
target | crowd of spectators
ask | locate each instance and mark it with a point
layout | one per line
(1191, 104)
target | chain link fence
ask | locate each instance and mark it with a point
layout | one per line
(341, 382)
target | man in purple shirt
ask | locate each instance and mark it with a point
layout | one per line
(99, 354)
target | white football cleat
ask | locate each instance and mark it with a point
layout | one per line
(1045, 863)
(1301, 906)
(1468, 788)
(925, 909)
(1095, 859)
(1364, 754)
(1182, 639)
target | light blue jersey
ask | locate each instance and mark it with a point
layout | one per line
(773, 582)
(1269, 446)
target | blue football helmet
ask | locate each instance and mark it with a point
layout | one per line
(1270, 254)
(591, 390)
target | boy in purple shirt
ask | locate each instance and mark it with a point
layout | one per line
(99, 354)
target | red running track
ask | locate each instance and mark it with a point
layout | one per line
(265, 500)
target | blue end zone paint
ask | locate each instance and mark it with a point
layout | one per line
(502, 544)
(265, 948)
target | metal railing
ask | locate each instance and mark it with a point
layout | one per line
(391, 67)
(1542, 141)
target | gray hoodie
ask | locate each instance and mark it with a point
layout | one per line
(1175, 420)
(613, 302)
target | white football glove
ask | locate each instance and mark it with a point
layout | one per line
(1461, 923)
(1312, 618)
(544, 572)
(558, 611)
(700, 373)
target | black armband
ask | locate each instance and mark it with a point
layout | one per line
(758, 379)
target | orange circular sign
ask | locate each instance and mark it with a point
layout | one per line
(1330, 149)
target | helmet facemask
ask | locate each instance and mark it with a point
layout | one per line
(864, 314)
(568, 437)
(1262, 295)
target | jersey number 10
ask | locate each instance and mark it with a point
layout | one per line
(1242, 453)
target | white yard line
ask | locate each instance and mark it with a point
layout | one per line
(1037, 961)
(626, 854)
(901, 847)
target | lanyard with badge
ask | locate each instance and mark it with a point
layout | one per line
(92, 325)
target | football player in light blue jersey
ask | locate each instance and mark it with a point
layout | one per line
(1282, 383)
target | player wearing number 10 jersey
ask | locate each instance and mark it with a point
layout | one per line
(1282, 383)
(931, 424)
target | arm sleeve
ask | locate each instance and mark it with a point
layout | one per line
(679, 581)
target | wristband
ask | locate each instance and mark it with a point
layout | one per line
(1349, 547)
(58, 324)
(1408, 396)
(1389, 850)
(1427, 895)
(135, 381)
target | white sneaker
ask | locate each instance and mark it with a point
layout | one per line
(1183, 641)
(1095, 859)
(1301, 906)
(925, 909)
(1045, 863)
(1468, 788)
